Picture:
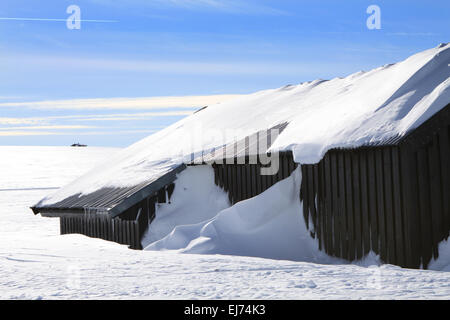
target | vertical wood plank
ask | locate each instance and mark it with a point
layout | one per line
(330, 185)
(100, 227)
(343, 206)
(129, 237)
(61, 225)
(364, 187)
(220, 175)
(119, 230)
(407, 180)
(357, 204)
(94, 226)
(138, 236)
(238, 183)
(285, 168)
(229, 184)
(398, 210)
(88, 225)
(373, 201)
(321, 209)
(389, 207)
(311, 196)
(350, 210)
(105, 228)
(216, 174)
(424, 205)
(381, 211)
(436, 195)
(254, 180)
(444, 146)
(244, 182)
(263, 179)
(304, 195)
(235, 183)
(248, 173)
(333, 204)
(317, 221)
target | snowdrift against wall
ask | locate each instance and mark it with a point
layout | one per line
(269, 226)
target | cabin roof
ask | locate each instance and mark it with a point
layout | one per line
(373, 108)
(110, 200)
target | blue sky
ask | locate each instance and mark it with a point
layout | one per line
(97, 85)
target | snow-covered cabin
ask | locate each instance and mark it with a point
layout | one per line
(373, 149)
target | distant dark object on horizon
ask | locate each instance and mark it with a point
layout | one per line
(78, 145)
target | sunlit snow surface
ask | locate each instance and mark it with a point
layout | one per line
(37, 263)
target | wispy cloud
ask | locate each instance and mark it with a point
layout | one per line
(26, 133)
(161, 66)
(247, 7)
(70, 133)
(228, 6)
(124, 103)
(412, 34)
(16, 121)
(50, 127)
(53, 19)
(93, 117)
(132, 116)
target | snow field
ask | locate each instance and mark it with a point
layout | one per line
(38, 263)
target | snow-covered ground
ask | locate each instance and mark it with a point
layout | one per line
(36, 262)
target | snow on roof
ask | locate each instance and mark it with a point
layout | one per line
(362, 108)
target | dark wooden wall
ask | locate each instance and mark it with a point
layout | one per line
(244, 181)
(426, 178)
(117, 230)
(128, 228)
(393, 200)
(351, 203)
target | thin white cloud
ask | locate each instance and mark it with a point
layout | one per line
(245, 7)
(133, 116)
(412, 34)
(115, 132)
(261, 68)
(45, 123)
(124, 103)
(65, 133)
(16, 121)
(53, 20)
(26, 133)
(228, 6)
(93, 117)
(50, 127)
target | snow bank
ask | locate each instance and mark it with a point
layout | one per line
(38, 263)
(196, 198)
(267, 226)
(363, 107)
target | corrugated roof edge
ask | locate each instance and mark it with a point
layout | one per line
(123, 205)
(146, 191)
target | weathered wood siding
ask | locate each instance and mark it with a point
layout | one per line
(393, 200)
(128, 228)
(244, 181)
(117, 230)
